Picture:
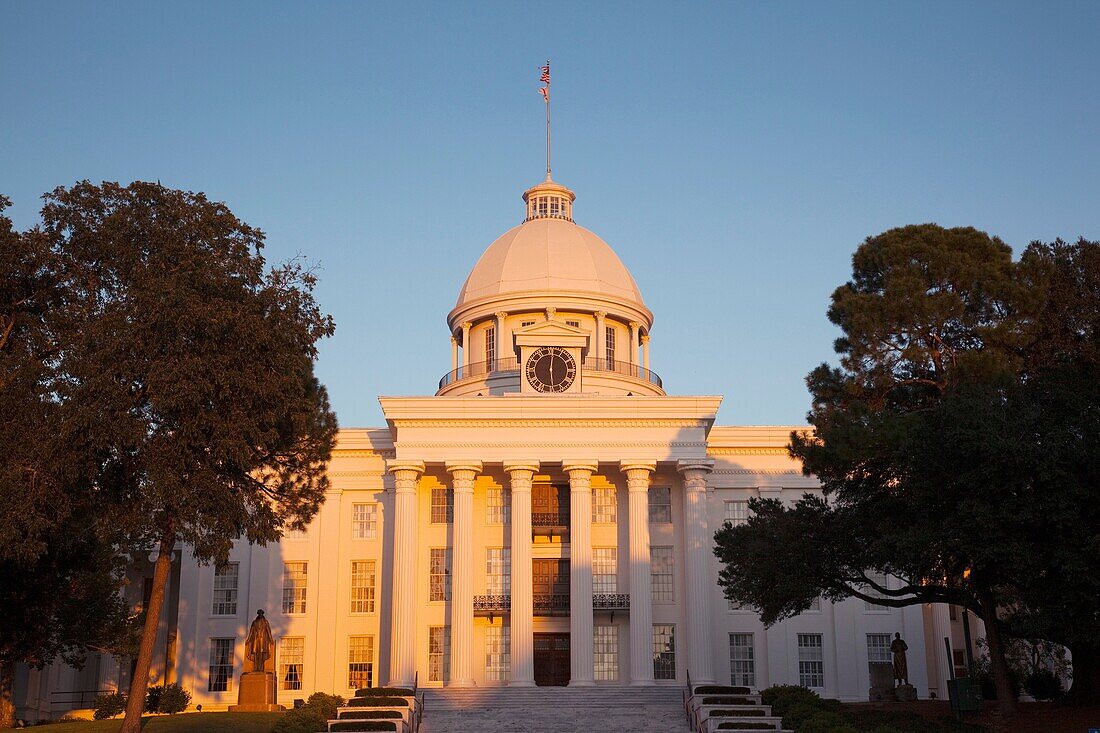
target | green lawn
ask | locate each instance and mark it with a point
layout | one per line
(182, 723)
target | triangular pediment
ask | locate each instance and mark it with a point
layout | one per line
(551, 333)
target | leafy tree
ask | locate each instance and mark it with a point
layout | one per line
(60, 573)
(183, 377)
(927, 442)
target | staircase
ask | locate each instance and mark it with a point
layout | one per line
(554, 710)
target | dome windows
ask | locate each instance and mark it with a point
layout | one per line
(549, 206)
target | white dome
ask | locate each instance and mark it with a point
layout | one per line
(547, 255)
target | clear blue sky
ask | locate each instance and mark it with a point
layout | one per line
(733, 154)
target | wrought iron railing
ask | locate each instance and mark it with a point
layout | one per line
(551, 604)
(484, 605)
(511, 365)
(611, 601)
(550, 519)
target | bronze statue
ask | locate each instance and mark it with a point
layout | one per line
(901, 666)
(259, 643)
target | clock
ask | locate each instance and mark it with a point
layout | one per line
(551, 369)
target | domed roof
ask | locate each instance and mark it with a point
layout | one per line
(549, 253)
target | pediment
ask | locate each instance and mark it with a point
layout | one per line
(551, 333)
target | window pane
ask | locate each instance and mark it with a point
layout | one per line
(880, 579)
(497, 653)
(664, 652)
(294, 587)
(364, 521)
(498, 571)
(605, 570)
(609, 345)
(225, 590)
(811, 661)
(360, 662)
(604, 505)
(362, 586)
(660, 506)
(439, 578)
(737, 512)
(292, 654)
(443, 509)
(742, 662)
(497, 505)
(439, 653)
(220, 671)
(878, 652)
(490, 345)
(660, 573)
(605, 652)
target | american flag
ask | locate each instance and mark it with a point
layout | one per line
(545, 78)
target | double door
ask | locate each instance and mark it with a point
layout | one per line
(551, 660)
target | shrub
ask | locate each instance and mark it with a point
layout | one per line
(796, 717)
(110, 705)
(823, 722)
(167, 699)
(746, 713)
(378, 702)
(745, 726)
(311, 717)
(384, 692)
(786, 697)
(367, 714)
(721, 690)
(1042, 684)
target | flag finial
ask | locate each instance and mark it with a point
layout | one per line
(544, 90)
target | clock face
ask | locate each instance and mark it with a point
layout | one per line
(551, 369)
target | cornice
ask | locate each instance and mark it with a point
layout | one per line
(356, 474)
(541, 444)
(747, 451)
(548, 423)
(767, 471)
(695, 410)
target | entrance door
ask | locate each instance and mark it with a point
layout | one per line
(552, 659)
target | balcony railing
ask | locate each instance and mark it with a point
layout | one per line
(492, 605)
(511, 365)
(611, 601)
(551, 604)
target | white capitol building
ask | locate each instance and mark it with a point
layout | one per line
(545, 518)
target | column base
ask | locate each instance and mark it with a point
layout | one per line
(642, 683)
(460, 683)
(582, 683)
(521, 683)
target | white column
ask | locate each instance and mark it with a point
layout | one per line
(406, 475)
(633, 342)
(454, 353)
(463, 474)
(504, 343)
(522, 613)
(641, 595)
(601, 337)
(645, 352)
(697, 550)
(580, 571)
(466, 348)
(941, 627)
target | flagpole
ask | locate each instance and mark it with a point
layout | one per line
(548, 124)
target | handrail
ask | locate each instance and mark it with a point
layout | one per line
(511, 364)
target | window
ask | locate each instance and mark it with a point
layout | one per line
(574, 324)
(498, 505)
(660, 506)
(525, 324)
(439, 653)
(660, 573)
(604, 505)
(439, 575)
(815, 605)
(292, 655)
(362, 586)
(443, 508)
(498, 571)
(880, 579)
(364, 521)
(738, 606)
(225, 590)
(811, 661)
(292, 533)
(737, 512)
(497, 653)
(360, 662)
(878, 652)
(605, 577)
(220, 676)
(294, 587)
(605, 652)
(490, 345)
(742, 665)
(609, 345)
(664, 652)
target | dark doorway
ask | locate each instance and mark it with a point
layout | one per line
(552, 660)
(550, 585)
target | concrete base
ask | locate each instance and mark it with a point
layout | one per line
(881, 694)
(256, 693)
(905, 693)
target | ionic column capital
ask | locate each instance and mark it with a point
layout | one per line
(501, 314)
(463, 474)
(521, 473)
(466, 325)
(589, 467)
(645, 339)
(600, 314)
(646, 466)
(694, 471)
(405, 473)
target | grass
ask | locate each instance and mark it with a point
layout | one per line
(182, 723)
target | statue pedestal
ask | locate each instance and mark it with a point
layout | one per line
(256, 693)
(905, 693)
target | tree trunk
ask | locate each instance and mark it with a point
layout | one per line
(7, 694)
(1006, 701)
(1085, 689)
(135, 703)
